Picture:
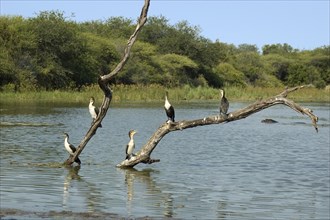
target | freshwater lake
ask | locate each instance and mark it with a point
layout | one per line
(240, 170)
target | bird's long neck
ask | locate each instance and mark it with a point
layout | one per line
(222, 94)
(66, 144)
(131, 141)
(66, 141)
(167, 103)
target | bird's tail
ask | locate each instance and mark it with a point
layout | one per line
(77, 160)
(128, 156)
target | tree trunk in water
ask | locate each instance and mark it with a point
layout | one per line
(103, 82)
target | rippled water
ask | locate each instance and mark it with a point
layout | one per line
(240, 170)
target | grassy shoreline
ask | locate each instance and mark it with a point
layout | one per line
(155, 94)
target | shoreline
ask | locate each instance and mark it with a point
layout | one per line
(136, 94)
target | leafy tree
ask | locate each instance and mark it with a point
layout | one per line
(249, 63)
(102, 54)
(277, 65)
(247, 48)
(320, 58)
(282, 49)
(303, 74)
(7, 68)
(177, 69)
(226, 52)
(16, 44)
(141, 68)
(50, 51)
(229, 75)
(180, 39)
(156, 29)
(61, 52)
(119, 27)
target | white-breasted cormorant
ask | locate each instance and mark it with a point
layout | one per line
(169, 109)
(131, 145)
(93, 110)
(70, 148)
(224, 104)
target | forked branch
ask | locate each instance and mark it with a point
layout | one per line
(103, 82)
(143, 156)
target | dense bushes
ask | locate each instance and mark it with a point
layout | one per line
(50, 51)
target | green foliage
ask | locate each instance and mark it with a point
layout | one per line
(155, 30)
(16, 42)
(52, 52)
(320, 59)
(277, 65)
(141, 68)
(61, 53)
(177, 69)
(247, 48)
(230, 75)
(301, 74)
(283, 49)
(102, 56)
(249, 63)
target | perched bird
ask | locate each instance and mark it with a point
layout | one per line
(131, 145)
(169, 109)
(70, 148)
(224, 104)
(93, 110)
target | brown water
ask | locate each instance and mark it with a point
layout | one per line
(240, 170)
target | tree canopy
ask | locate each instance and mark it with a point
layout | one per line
(50, 51)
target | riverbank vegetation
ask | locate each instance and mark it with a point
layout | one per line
(51, 57)
(155, 94)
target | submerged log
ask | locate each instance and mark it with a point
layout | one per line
(143, 156)
(269, 121)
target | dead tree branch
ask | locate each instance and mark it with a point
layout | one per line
(103, 82)
(143, 156)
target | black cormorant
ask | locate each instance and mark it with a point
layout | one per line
(70, 148)
(131, 145)
(224, 104)
(93, 110)
(169, 109)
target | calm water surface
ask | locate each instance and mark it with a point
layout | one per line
(240, 170)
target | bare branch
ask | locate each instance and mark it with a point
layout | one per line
(103, 83)
(143, 156)
(142, 20)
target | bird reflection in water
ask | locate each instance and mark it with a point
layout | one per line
(132, 176)
(72, 174)
(83, 189)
